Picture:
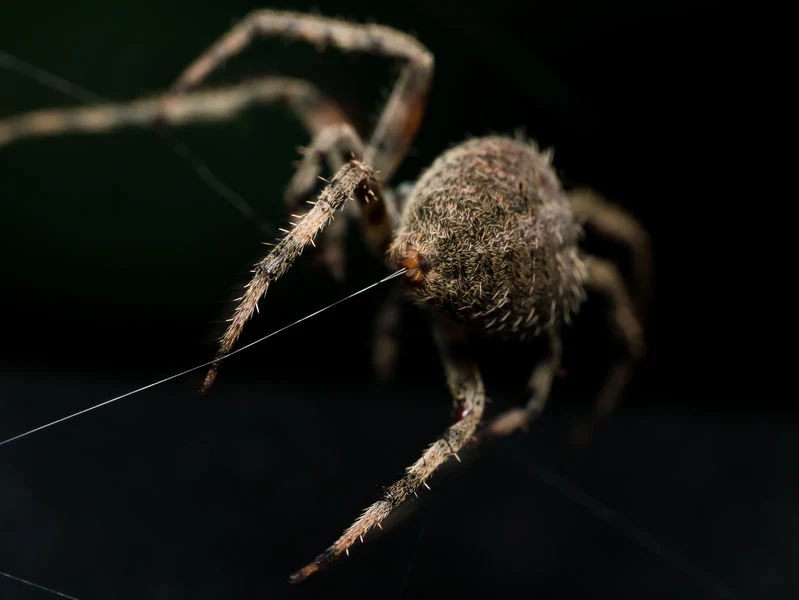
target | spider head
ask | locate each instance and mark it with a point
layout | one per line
(431, 274)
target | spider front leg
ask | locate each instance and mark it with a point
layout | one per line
(331, 148)
(466, 386)
(540, 384)
(354, 180)
(314, 110)
(402, 116)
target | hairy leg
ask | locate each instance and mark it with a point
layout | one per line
(330, 148)
(540, 384)
(327, 153)
(314, 110)
(617, 225)
(354, 180)
(604, 278)
(403, 113)
(466, 386)
(334, 146)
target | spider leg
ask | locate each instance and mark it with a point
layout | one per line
(335, 145)
(331, 147)
(403, 113)
(386, 329)
(354, 180)
(604, 278)
(466, 386)
(619, 226)
(540, 384)
(314, 110)
(387, 322)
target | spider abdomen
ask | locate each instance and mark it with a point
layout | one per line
(489, 237)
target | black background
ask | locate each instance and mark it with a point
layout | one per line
(119, 264)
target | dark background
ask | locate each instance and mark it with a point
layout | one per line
(119, 264)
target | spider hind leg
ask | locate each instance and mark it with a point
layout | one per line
(540, 384)
(606, 280)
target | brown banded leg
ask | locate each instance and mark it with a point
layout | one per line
(540, 384)
(354, 180)
(403, 113)
(620, 227)
(466, 386)
(314, 110)
(604, 278)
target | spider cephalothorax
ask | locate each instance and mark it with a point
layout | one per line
(488, 237)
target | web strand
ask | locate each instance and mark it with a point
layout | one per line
(643, 539)
(200, 366)
(37, 586)
(200, 168)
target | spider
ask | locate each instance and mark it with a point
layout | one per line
(486, 237)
